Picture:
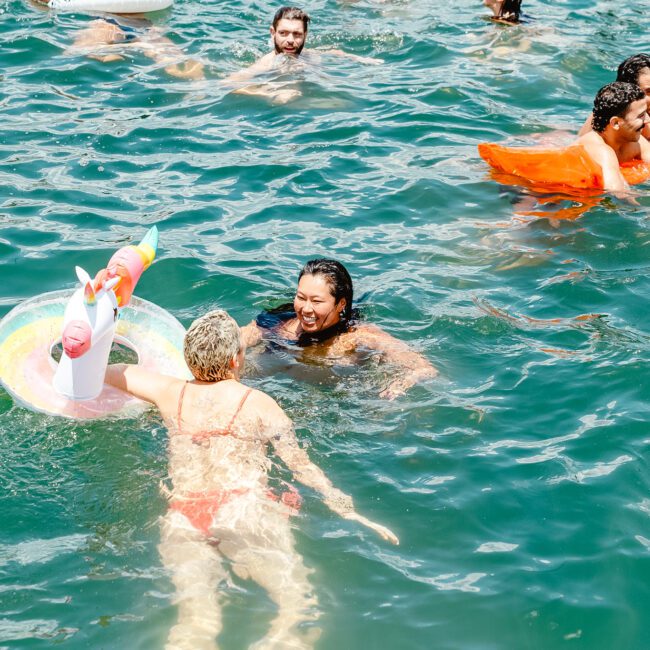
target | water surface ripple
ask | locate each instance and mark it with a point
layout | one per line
(518, 482)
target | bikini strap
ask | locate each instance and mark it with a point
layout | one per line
(228, 430)
(180, 406)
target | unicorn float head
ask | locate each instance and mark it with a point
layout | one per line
(91, 316)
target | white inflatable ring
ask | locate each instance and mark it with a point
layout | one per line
(111, 6)
(30, 331)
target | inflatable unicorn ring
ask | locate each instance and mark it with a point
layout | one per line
(86, 323)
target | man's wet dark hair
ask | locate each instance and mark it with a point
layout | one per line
(629, 70)
(337, 277)
(291, 13)
(613, 100)
(510, 11)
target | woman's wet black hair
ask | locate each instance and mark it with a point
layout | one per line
(613, 100)
(510, 11)
(337, 277)
(629, 70)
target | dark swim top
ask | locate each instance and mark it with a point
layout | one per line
(270, 320)
(130, 28)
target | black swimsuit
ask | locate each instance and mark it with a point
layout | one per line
(271, 320)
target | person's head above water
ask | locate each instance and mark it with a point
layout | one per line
(636, 70)
(622, 106)
(324, 295)
(289, 30)
(212, 347)
(507, 11)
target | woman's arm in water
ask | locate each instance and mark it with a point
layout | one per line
(296, 459)
(160, 390)
(251, 334)
(413, 367)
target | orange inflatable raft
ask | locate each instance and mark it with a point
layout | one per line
(568, 166)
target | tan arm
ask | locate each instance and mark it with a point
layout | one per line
(413, 366)
(586, 127)
(251, 334)
(368, 60)
(160, 390)
(297, 460)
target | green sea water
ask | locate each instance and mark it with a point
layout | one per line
(518, 482)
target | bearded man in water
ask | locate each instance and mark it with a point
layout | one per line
(288, 35)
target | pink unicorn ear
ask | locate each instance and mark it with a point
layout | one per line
(89, 294)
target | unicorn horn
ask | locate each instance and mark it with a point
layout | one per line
(128, 264)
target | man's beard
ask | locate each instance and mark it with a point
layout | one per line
(279, 51)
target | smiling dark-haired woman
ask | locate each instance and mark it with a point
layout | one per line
(322, 315)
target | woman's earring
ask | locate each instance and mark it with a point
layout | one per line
(341, 314)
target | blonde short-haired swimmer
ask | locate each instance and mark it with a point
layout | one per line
(220, 504)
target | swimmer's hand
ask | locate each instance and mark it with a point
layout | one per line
(369, 60)
(285, 96)
(400, 385)
(382, 531)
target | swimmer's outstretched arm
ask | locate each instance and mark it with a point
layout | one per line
(414, 367)
(251, 334)
(160, 390)
(296, 459)
(368, 60)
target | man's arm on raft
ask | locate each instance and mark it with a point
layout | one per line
(644, 146)
(296, 459)
(586, 127)
(413, 366)
(602, 154)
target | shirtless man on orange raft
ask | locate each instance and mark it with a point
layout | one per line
(221, 505)
(619, 116)
(609, 157)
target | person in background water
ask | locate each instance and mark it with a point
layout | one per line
(619, 116)
(288, 36)
(322, 315)
(634, 70)
(108, 38)
(505, 11)
(221, 505)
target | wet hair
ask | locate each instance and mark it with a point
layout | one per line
(210, 344)
(613, 100)
(291, 13)
(510, 11)
(337, 277)
(630, 69)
